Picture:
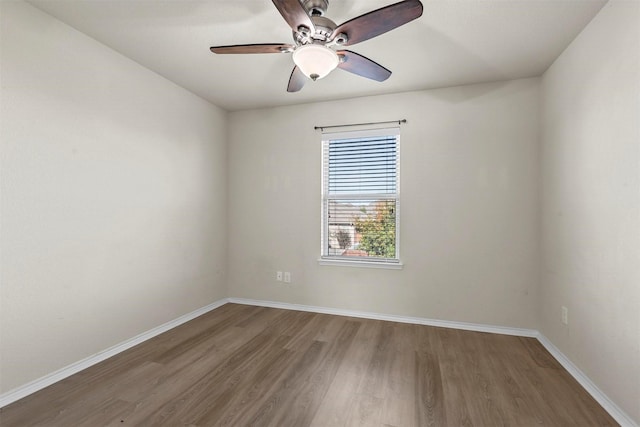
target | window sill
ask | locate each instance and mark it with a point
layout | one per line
(361, 264)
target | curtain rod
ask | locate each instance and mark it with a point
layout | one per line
(359, 124)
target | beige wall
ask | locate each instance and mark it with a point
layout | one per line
(469, 227)
(113, 192)
(591, 202)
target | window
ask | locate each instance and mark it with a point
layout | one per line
(360, 197)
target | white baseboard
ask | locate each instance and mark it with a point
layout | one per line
(618, 414)
(40, 383)
(478, 327)
(614, 410)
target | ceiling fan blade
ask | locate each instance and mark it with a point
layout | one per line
(297, 80)
(379, 21)
(253, 48)
(295, 14)
(362, 66)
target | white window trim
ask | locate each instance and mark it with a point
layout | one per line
(388, 265)
(391, 264)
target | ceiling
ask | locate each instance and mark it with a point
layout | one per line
(455, 42)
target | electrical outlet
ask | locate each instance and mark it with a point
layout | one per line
(565, 315)
(279, 276)
(287, 277)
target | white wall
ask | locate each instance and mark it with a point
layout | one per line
(113, 192)
(469, 227)
(591, 202)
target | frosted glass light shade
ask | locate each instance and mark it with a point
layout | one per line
(315, 61)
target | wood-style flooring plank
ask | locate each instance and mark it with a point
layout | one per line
(399, 403)
(242, 365)
(338, 401)
(441, 341)
(429, 392)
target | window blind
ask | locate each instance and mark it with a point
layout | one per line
(363, 165)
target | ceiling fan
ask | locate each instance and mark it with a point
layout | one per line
(317, 48)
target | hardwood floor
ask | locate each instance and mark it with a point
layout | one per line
(243, 365)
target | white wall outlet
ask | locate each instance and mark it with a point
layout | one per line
(287, 277)
(565, 315)
(279, 276)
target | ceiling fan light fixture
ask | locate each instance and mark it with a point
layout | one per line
(315, 60)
